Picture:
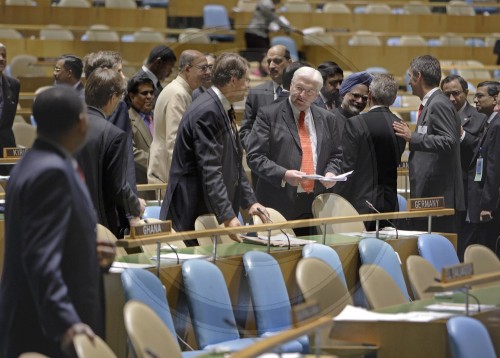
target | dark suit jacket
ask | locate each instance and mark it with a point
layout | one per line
(10, 88)
(473, 123)
(274, 147)
(483, 195)
(51, 278)
(372, 149)
(319, 102)
(435, 155)
(198, 91)
(206, 175)
(341, 118)
(259, 96)
(103, 159)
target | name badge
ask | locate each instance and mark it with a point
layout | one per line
(479, 169)
(422, 129)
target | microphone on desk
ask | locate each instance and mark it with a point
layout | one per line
(269, 219)
(370, 205)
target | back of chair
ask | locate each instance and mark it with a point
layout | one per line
(380, 253)
(275, 217)
(215, 16)
(483, 259)
(272, 308)
(319, 282)
(289, 43)
(328, 205)
(469, 338)
(103, 233)
(402, 203)
(379, 287)
(421, 274)
(326, 254)
(152, 212)
(438, 250)
(96, 349)
(143, 286)
(209, 303)
(208, 221)
(24, 133)
(148, 333)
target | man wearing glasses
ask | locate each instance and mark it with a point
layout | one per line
(354, 94)
(290, 139)
(435, 145)
(171, 104)
(483, 211)
(68, 71)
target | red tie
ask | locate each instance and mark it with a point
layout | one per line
(80, 172)
(419, 112)
(307, 165)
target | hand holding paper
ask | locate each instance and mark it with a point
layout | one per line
(331, 178)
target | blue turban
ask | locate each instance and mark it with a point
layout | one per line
(358, 78)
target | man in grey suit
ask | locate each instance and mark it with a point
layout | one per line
(207, 174)
(435, 145)
(291, 139)
(278, 58)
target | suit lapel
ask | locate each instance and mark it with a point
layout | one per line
(318, 124)
(225, 120)
(141, 127)
(288, 118)
(483, 137)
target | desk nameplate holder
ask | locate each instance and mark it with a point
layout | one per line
(12, 155)
(431, 203)
(461, 276)
(152, 230)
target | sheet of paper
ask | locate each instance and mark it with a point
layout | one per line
(341, 177)
(458, 307)
(351, 313)
(118, 267)
(276, 240)
(169, 248)
(182, 257)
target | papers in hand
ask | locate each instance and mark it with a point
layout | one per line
(276, 240)
(341, 177)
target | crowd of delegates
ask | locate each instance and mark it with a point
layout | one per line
(301, 121)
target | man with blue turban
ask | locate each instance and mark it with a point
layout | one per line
(354, 94)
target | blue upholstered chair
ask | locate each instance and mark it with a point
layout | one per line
(271, 304)
(380, 253)
(210, 307)
(438, 250)
(143, 286)
(403, 203)
(328, 255)
(469, 338)
(215, 17)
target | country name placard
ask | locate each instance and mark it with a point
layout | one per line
(432, 203)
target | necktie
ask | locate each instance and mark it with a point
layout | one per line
(80, 172)
(232, 120)
(158, 86)
(419, 111)
(278, 92)
(151, 126)
(307, 165)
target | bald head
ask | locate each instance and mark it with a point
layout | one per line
(193, 67)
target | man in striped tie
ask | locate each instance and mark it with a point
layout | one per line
(291, 139)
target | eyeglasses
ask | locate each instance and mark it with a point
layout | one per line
(58, 69)
(308, 92)
(453, 93)
(145, 93)
(481, 95)
(204, 68)
(359, 95)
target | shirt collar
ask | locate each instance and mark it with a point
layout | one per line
(225, 103)
(428, 95)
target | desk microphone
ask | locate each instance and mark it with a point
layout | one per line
(269, 219)
(370, 205)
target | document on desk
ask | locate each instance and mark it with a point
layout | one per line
(458, 307)
(341, 177)
(351, 313)
(279, 240)
(172, 256)
(118, 267)
(386, 233)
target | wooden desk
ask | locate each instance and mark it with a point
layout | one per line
(43, 15)
(418, 339)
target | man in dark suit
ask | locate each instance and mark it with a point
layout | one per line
(158, 66)
(290, 139)
(9, 96)
(483, 211)
(372, 149)
(278, 58)
(51, 284)
(103, 157)
(207, 175)
(435, 145)
(68, 71)
(354, 94)
(329, 96)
